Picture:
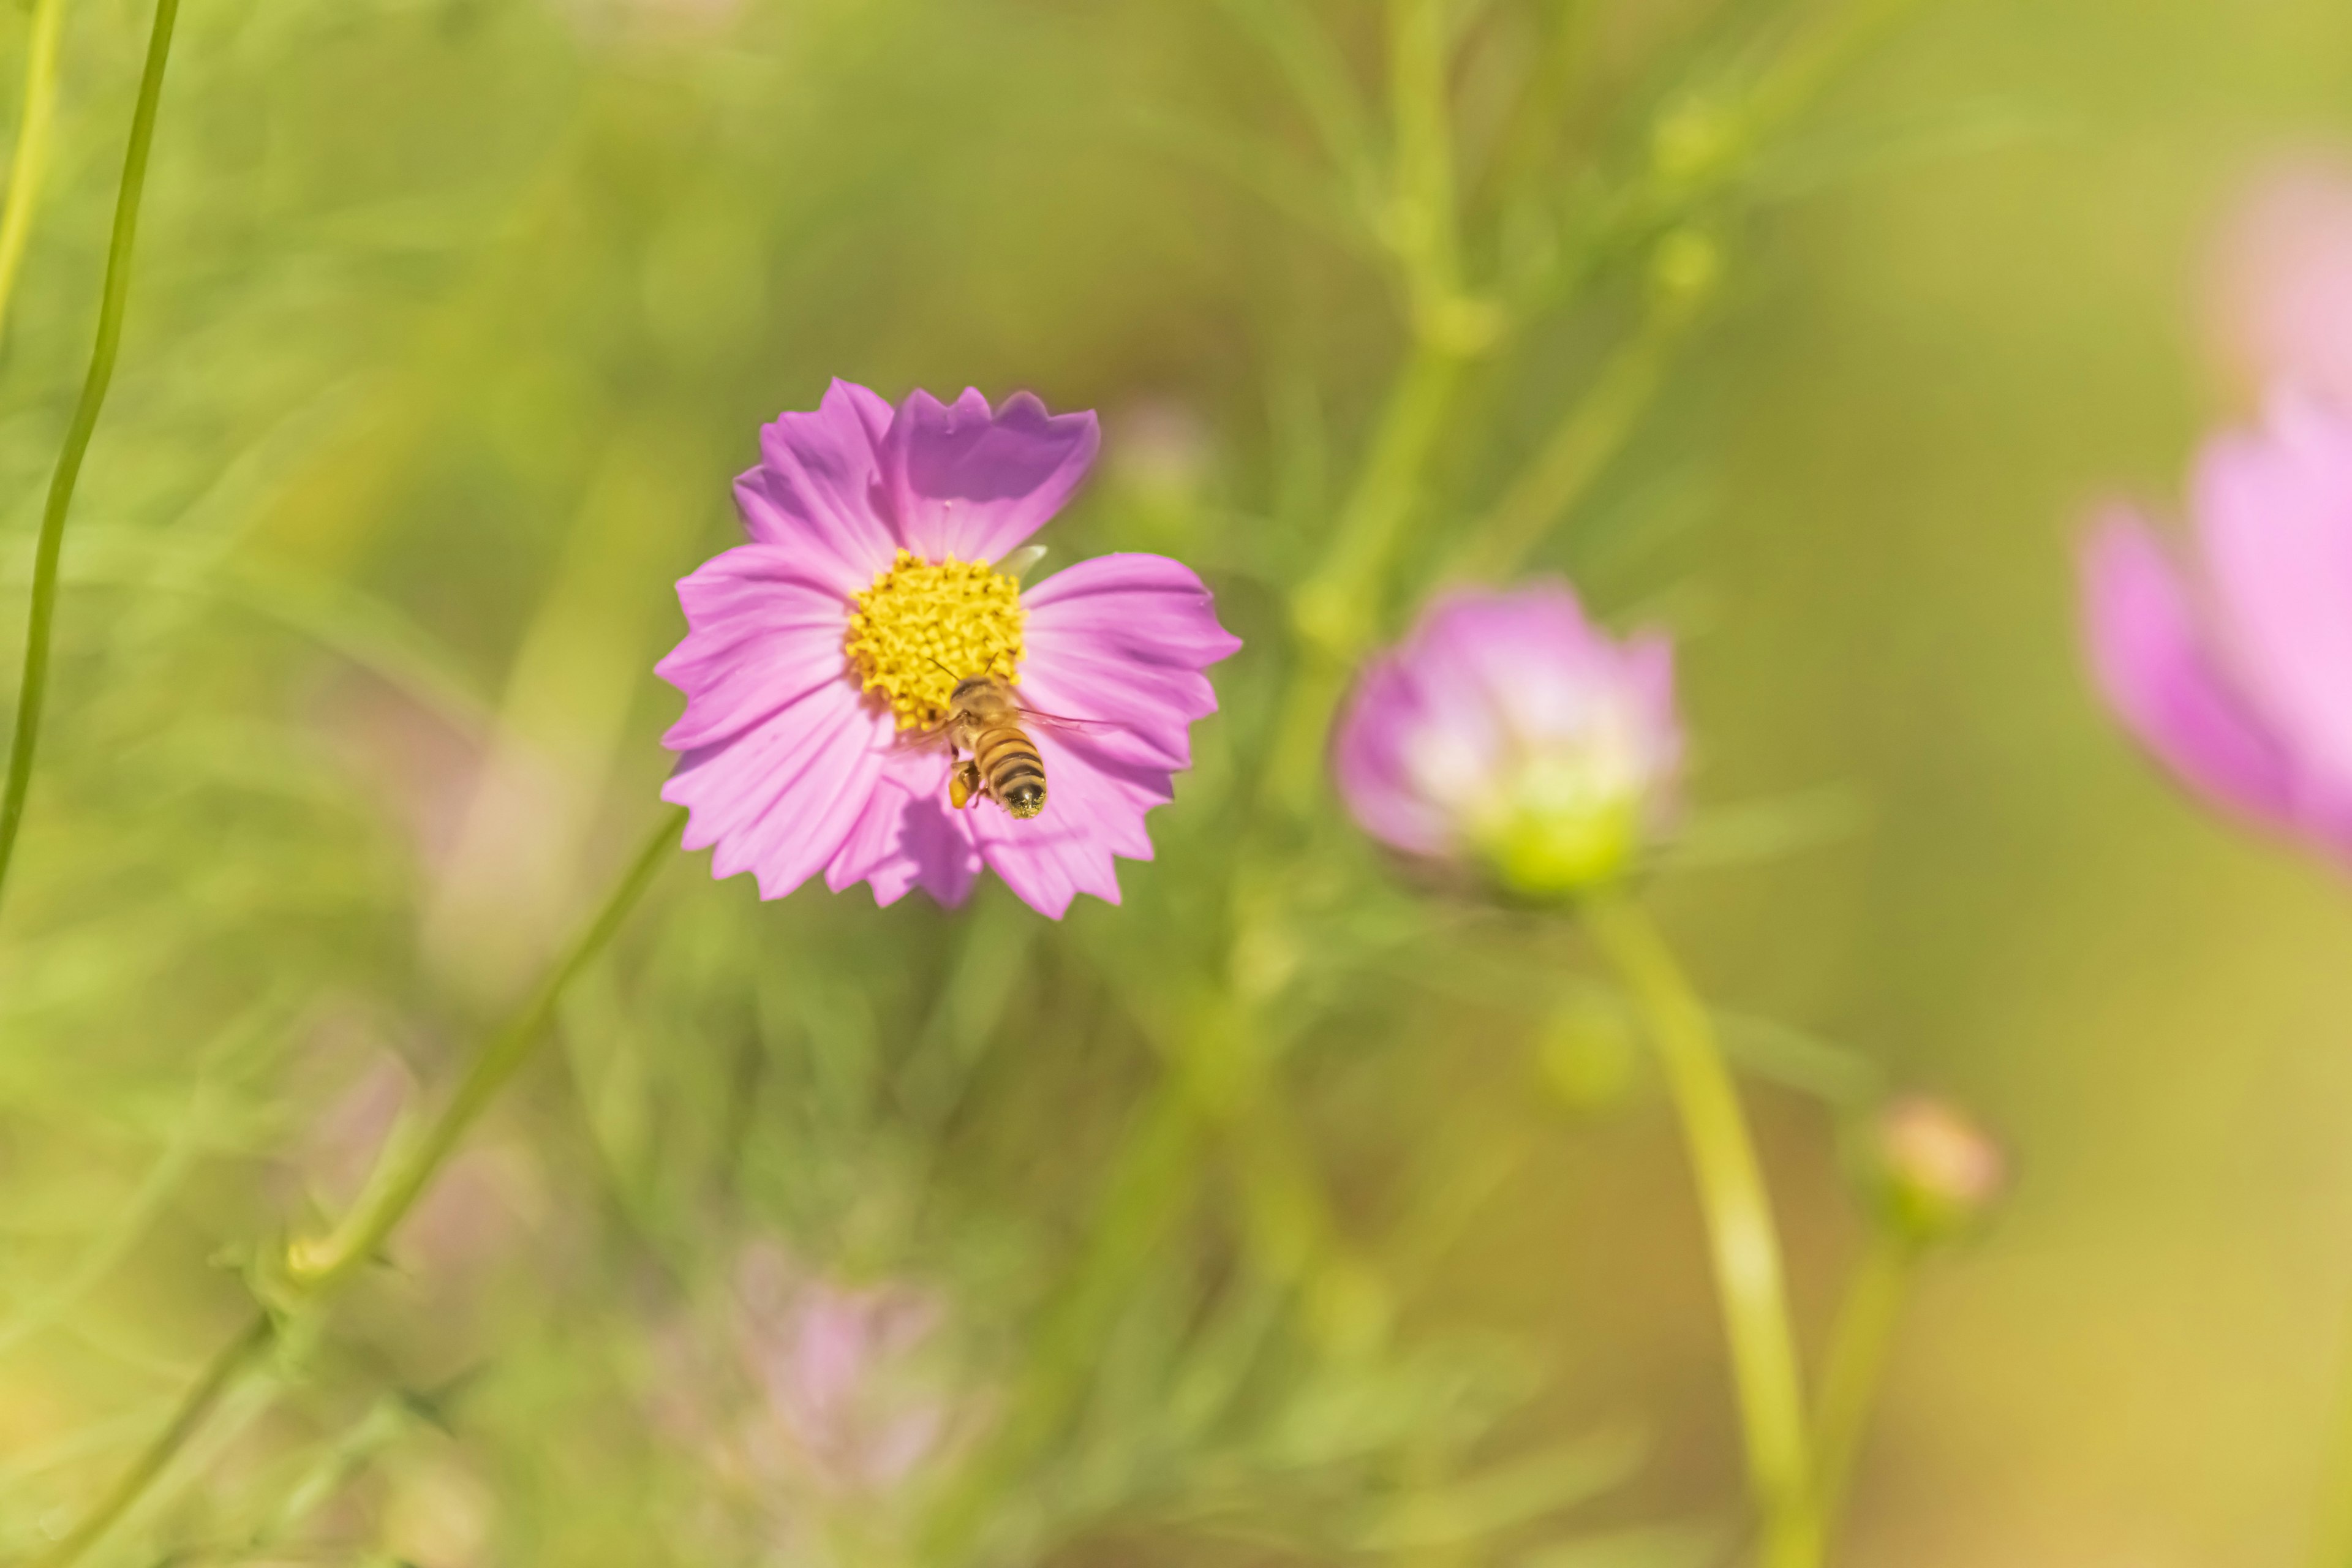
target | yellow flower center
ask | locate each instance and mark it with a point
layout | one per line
(922, 627)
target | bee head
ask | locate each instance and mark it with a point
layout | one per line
(969, 687)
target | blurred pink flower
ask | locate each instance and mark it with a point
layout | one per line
(2235, 666)
(873, 582)
(831, 1362)
(1508, 731)
(2280, 302)
(813, 1406)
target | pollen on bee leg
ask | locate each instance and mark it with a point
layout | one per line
(923, 625)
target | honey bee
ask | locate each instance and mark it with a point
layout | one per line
(994, 756)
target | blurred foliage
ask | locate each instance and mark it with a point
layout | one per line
(1289, 1213)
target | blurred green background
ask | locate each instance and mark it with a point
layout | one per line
(453, 318)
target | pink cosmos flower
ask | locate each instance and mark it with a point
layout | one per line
(1508, 732)
(2236, 668)
(819, 654)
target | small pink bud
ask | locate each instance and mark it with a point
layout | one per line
(1936, 1172)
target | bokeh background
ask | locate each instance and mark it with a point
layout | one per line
(451, 320)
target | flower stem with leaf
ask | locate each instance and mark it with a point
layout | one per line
(314, 1270)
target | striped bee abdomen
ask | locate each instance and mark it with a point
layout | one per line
(1014, 771)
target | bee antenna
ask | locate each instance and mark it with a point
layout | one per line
(951, 674)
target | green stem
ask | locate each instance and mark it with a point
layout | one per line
(1740, 1232)
(30, 161)
(233, 1361)
(1589, 435)
(409, 1166)
(1336, 609)
(314, 1270)
(111, 303)
(1854, 1365)
(1423, 223)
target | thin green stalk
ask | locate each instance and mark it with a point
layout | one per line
(233, 1361)
(1422, 224)
(30, 161)
(315, 1269)
(1589, 435)
(408, 1167)
(1855, 1365)
(113, 301)
(1740, 1232)
(1336, 610)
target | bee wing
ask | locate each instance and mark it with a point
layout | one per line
(930, 738)
(1078, 726)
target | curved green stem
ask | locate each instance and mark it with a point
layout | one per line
(30, 161)
(113, 301)
(314, 1270)
(1740, 1232)
(1854, 1366)
(409, 1166)
(220, 1374)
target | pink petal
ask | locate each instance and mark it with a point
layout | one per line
(1380, 725)
(907, 837)
(2158, 674)
(1121, 640)
(965, 483)
(1148, 606)
(1648, 660)
(1528, 655)
(778, 799)
(2275, 519)
(816, 490)
(1094, 802)
(763, 632)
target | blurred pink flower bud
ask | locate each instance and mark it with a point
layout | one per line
(1510, 733)
(1935, 1171)
(2280, 297)
(2235, 666)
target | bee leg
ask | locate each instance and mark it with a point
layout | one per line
(963, 784)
